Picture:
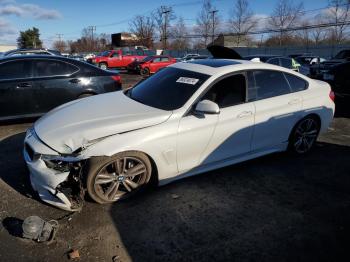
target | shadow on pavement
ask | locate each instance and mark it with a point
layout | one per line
(275, 208)
(13, 170)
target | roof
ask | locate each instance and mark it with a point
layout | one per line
(30, 57)
(228, 66)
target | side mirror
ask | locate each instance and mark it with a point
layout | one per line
(207, 107)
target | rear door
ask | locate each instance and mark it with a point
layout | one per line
(55, 83)
(16, 89)
(277, 109)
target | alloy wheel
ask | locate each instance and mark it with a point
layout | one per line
(120, 177)
(305, 135)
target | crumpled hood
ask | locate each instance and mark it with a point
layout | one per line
(72, 125)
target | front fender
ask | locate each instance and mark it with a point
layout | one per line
(159, 142)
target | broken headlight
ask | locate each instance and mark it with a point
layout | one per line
(59, 163)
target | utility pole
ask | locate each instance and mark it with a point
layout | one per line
(92, 28)
(59, 36)
(165, 12)
(213, 28)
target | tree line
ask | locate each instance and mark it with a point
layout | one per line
(164, 29)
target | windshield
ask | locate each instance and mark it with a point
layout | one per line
(105, 53)
(343, 54)
(169, 89)
(146, 59)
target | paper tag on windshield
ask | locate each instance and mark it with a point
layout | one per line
(187, 80)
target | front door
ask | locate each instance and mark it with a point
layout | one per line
(212, 138)
(16, 90)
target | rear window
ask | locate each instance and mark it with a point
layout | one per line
(267, 83)
(296, 83)
(169, 89)
(43, 68)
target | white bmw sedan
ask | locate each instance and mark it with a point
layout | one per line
(187, 119)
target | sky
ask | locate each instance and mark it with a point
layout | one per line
(69, 17)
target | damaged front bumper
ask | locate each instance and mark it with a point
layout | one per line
(57, 182)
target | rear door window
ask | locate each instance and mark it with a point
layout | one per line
(15, 70)
(47, 68)
(267, 83)
(228, 92)
(165, 59)
(296, 83)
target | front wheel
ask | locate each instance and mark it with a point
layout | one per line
(103, 66)
(112, 178)
(304, 135)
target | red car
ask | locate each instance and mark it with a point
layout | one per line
(115, 59)
(156, 62)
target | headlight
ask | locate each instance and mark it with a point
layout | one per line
(59, 163)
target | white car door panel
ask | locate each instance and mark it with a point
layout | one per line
(194, 134)
(233, 133)
(274, 119)
(277, 108)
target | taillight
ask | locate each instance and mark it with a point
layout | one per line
(117, 78)
(332, 95)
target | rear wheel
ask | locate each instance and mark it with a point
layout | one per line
(304, 135)
(145, 72)
(113, 178)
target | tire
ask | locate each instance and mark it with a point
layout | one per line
(145, 72)
(103, 183)
(304, 135)
(103, 66)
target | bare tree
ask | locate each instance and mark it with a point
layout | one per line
(178, 31)
(205, 22)
(143, 27)
(338, 13)
(60, 45)
(318, 34)
(285, 15)
(242, 20)
(304, 34)
(163, 17)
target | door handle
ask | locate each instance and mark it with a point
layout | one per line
(23, 85)
(245, 114)
(294, 101)
(74, 80)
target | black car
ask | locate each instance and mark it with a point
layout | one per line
(338, 77)
(31, 51)
(32, 85)
(317, 71)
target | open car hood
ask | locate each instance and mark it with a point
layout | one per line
(223, 52)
